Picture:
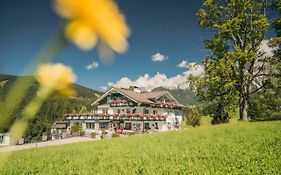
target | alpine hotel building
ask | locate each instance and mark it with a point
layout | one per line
(130, 110)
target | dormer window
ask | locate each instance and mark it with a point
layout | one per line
(108, 99)
(146, 111)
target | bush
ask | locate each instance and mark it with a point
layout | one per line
(103, 133)
(76, 128)
(82, 133)
(222, 118)
(266, 105)
(114, 135)
(220, 112)
(193, 117)
(93, 135)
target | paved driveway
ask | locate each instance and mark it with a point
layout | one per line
(45, 144)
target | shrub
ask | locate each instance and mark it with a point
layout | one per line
(114, 135)
(266, 105)
(221, 114)
(82, 133)
(93, 135)
(76, 128)
(193, 117)
(103, 133)
(222, 118)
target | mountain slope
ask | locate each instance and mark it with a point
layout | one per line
(184, 96)
(6, 81)
(53, 109)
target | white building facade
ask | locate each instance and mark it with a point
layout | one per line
(130, 110)
(4, 139)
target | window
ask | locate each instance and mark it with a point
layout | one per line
(128, 111)
(154, 111)
(108, 99)
(156, 125)
(103, 125)
(146, 111)
(146, 126)
(134, 110)
(118, 111)
(104, 111)
(90, 125)
(128, 126)
(1, 139)
(76, 123)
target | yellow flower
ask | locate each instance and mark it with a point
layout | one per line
(56, 77)
(90, 20)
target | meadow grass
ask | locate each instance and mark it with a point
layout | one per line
(235, 148)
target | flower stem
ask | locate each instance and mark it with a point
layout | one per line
(21, 86)
(18, 128)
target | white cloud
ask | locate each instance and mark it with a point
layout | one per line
(110, 84)
(103, 88)
(194, 69)
(183, 64)
(159, 57)
(148, 82)
(94, 65)
(268, 51)
(124, 82)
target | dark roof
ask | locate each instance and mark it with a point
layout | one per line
(141, 97)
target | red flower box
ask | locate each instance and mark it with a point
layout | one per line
(135, 115)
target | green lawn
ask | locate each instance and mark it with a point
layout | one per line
(235, 148)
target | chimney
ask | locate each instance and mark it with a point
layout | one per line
(135, 89)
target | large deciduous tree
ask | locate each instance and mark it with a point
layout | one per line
(236, 65)
(276, 41)
(266, 104)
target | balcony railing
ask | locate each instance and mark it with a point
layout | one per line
(116, 117)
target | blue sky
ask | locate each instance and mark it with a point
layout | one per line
(159, 26)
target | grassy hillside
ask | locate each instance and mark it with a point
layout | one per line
(184, 96)
(53, 109)
(235, 148)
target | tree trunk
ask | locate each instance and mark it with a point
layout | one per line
(244, 102)
(244, 109)
(244, 93)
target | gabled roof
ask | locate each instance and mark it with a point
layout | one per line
(143, 97)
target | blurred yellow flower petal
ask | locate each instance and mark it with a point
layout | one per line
(101, 17)
(67, 92)
(57, 77)
(17, 130)
(65, 9)
(82, 35)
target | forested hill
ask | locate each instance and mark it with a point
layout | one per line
(184, 96)
(6, 81)
(53, 109)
